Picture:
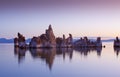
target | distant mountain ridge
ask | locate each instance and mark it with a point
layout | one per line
(4, 40)
(108, 40)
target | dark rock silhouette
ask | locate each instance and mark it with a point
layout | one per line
(20, 41)
(117, 42)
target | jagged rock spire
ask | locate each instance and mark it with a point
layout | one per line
(63, 36)
(45, 40)
(50, 27)
(50, 35)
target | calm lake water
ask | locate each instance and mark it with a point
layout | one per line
(103, 62)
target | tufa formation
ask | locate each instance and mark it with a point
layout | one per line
(117, 42)
(48, 40)
(85, 42)
(20, 41)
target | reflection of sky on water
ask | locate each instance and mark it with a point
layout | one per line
(59, 62)
(48, 55)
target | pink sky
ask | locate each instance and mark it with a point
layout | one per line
(78, 17)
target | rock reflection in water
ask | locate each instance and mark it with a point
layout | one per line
(48, 55)
(20, 53)
(64, 51)
(117, 50)
(85, 51)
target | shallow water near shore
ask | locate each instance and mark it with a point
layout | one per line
(63, 62)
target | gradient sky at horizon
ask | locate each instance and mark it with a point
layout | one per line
(78, 17)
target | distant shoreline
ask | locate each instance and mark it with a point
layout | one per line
(4, 40)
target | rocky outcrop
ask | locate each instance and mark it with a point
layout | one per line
(35, 42)
(59, 42)
(46, 40)
(99, 42)
(19, 41)
(117, 42)
(51, 37)
(85, 42)
(62, 42)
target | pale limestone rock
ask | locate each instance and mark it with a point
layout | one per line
(45, 40)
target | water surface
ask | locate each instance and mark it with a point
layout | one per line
(98, 62)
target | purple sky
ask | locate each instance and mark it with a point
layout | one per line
(79, 17)
(58, 3)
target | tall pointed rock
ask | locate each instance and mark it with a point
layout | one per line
(50, 35)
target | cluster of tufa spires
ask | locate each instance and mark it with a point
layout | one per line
(85, 42)
(45, 40)
(48, 40)
(64, 42)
